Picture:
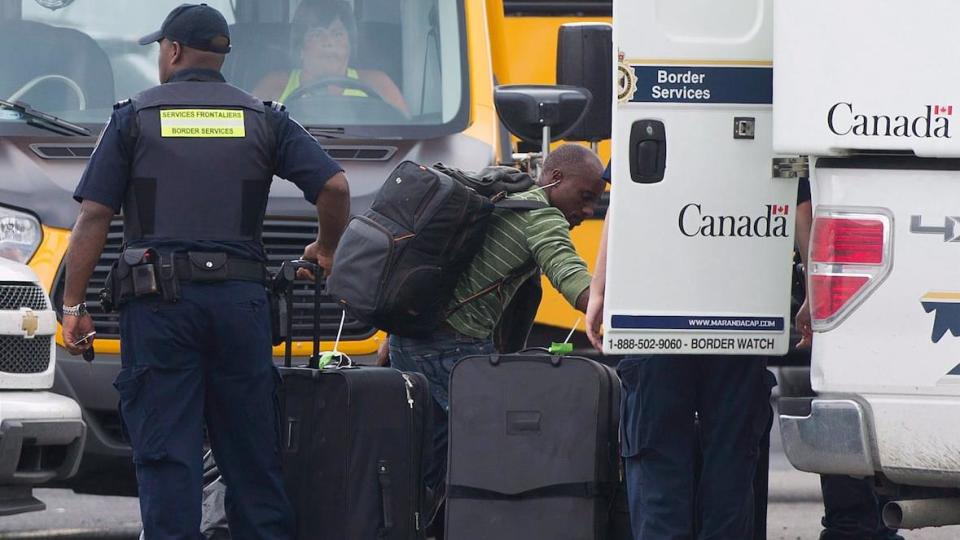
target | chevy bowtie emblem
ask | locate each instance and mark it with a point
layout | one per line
(30, 324)
(950, 229)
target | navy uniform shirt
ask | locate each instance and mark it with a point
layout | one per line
(299, 158)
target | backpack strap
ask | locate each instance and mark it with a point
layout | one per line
(507, 204)
(520, 204)
(494, 287)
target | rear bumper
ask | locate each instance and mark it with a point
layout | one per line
(827, 436)
(41, 438)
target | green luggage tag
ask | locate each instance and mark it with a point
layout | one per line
(327, 358)
(566, 347)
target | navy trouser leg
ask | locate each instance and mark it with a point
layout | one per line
(660, 435)
(161, 404)
(629, 372)
(242, 411)
(851, 510)
(761, 484)
(661, 395)
(734, 409)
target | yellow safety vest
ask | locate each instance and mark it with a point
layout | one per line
(294, 82)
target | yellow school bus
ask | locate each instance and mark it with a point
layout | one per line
(74, 59)
(523, 40)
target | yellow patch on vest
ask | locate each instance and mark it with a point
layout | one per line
(216, 123)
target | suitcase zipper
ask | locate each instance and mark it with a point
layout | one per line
(408, 386)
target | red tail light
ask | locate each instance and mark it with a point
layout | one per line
(847, 241)
(830, 293)
(850, 254)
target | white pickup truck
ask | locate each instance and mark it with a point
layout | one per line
(872, 105)
(41, 433)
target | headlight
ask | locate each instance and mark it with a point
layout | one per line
(20, 235)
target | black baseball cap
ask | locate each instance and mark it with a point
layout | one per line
(197, 26)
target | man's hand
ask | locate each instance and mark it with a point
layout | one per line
(74, 329)
(314, 253)
(595, 320)
(803, 325)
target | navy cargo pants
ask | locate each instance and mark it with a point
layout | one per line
(662, 394)
(204, 359)
(852, 510)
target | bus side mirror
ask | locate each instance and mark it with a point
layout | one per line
(539, 113)
(585, 59)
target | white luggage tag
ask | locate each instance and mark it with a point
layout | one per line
(335, 358)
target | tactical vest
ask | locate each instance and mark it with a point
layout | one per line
(202, 164)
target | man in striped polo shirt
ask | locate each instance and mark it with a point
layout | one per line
(518, 245)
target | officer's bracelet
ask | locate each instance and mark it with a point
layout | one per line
(78, 310)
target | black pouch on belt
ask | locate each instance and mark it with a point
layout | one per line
(207, 266)
(110, 293)
(137, 273)
(169, 282)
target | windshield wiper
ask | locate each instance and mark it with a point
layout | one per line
(46, 121)
(327, 132)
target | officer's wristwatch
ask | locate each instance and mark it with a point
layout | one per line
(78, 310)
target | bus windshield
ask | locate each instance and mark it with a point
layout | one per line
(388, 67)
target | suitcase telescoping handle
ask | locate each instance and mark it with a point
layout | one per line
(283, 284)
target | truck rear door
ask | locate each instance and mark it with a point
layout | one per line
(701, 234)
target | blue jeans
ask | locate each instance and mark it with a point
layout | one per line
(204, 359)
(435, 357)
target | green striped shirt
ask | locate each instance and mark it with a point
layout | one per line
(516, 239)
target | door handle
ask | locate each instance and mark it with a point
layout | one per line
(648, 151)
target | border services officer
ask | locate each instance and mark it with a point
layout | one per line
(190, 162)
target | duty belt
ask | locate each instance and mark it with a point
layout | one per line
(144, 272)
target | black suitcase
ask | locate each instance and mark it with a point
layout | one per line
(355, 441)
(534, 448)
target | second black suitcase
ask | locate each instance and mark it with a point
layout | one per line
(534, 451)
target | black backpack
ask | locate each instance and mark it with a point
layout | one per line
(398, 263)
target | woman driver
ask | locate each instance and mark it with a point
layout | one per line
(325, 33)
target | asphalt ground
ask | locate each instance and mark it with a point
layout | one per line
(794, 512)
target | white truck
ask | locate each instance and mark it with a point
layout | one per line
(41, 433)
(702, 226)
(866, 89)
